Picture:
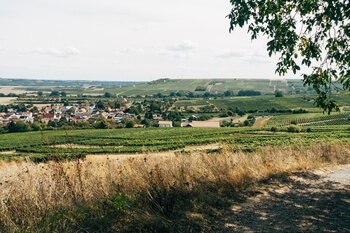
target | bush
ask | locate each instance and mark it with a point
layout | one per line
(308, 130)
(274, 129)
(279, 93)
(129, 124)
(293, 129)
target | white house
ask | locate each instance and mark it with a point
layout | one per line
(165, 124)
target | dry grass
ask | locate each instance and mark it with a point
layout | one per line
(7, 100)
(143, 191)
(12, 89)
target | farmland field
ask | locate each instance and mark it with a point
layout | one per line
(166, 86)
(311, 119)
(41, 146)
(77, 176)
(7, 100)
(262, 103)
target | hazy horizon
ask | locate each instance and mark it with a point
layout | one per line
(110, 80)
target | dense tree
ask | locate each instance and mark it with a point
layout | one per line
(52, 124)
(248, 93)
(36, 126)
(174, 116)
(19, 126)
(62, 121)
(55, 94)
(159, 95)
(4, 108)
(147, 122)
(279, 93)
(101, 123)
(228, 93)
(129, 124)
(100, 105)
(305, 33)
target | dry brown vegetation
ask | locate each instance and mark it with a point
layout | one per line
(171, 193)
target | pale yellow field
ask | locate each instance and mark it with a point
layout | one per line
(7, 100)
(12, 89)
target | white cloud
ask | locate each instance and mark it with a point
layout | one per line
(230, 54)
(131, 51)
(4, 49)
(66, 52)
(133, 40)
(183, 46)
(176, 54)
(180, 50)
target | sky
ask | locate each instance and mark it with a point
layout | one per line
(127, 40)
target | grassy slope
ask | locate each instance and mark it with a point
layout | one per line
(211, 85)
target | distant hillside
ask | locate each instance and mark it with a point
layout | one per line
(215, 86)
(163, 86)
(64, 83)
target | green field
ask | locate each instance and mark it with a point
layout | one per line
(262, 103)
(209, 85)
(58, 144)
(42, 146)
(311, 119)
(163, 86)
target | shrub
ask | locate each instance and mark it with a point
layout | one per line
(274, 129)
(293, 129)
(293, 122)
(279, 93)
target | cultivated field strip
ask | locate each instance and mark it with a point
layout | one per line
(57, 145)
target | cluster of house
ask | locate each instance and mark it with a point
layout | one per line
(76, 113)
(86, 112)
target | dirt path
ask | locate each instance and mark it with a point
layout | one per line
(301, 202)
(260, 121)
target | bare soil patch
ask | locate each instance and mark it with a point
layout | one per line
(260, 121)
(203, 147)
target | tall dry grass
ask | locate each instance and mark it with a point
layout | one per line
(142, 193)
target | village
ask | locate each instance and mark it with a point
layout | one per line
(88, 116)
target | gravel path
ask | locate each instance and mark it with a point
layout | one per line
(302, 202)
